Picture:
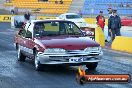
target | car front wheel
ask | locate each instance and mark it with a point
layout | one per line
(92, 66)
(37, 63)
(20, 56)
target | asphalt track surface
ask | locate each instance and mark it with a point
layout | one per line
(14, 74)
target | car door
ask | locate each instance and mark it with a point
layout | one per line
(23, 40)
(29, 44)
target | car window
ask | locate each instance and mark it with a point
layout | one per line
(60, 17)
(73, 16)
(27, 26)
(38, 29)
(22, 33)
(52, 26)
(25, 32)
(28, 34)
(56, 28)
(46, 28)
(71, 29)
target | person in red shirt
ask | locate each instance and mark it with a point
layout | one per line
(101, 20)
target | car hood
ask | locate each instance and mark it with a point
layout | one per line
(72, 43)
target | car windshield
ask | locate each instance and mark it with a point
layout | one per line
(56, 28)
(73, 16)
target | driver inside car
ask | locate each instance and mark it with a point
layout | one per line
(39, 30)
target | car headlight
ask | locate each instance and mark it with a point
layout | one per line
(55, 51)
(92, 49)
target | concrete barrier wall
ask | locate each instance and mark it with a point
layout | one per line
(5, 18)
(122, 43)
(99, 36)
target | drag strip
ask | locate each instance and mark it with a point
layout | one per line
(14, 74)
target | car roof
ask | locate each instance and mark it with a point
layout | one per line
(69, 14)
(49, 20)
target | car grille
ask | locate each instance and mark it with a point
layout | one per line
(66, 58)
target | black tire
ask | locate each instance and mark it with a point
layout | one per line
(21, 56)
(92, 66)
(82, 80)
(16, 46)
(38, 65)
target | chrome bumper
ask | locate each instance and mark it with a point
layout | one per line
(64, 58)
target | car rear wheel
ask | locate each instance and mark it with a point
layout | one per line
(20, 56)
(38, 65)
(92, 66)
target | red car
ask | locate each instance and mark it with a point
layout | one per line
(127, 21)
(56, 42)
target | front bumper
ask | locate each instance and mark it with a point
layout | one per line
(64, 58)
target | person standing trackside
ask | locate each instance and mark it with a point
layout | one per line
(27, 16)
(110, 12)
(101, 20)
(114, 25)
